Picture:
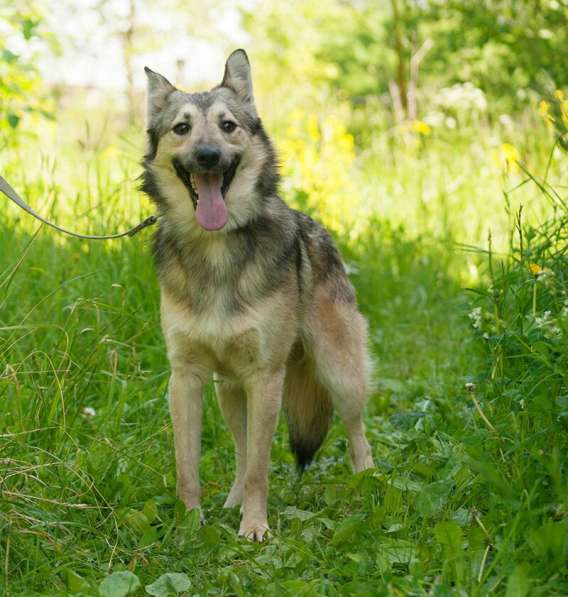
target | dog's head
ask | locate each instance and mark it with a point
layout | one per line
(208, 151)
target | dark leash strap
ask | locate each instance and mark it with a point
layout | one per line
(7, 189)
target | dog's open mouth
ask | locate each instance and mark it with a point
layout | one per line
(207, 191)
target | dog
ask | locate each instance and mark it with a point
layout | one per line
(253, 293)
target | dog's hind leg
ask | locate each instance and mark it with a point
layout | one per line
(232, 400)
(337, 336)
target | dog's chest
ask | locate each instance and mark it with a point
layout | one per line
(214, 338)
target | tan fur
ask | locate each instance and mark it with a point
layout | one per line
(338, 342)
(252, 349)
(252, 356)
(263, 305)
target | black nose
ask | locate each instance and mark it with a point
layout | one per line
(207, 156)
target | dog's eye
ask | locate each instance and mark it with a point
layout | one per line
(228, 126)
(182, 128)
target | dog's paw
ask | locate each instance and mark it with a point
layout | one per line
(191, 503)
(254, 531)
(364, 464)
(195, 511)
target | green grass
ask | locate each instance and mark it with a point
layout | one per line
(470, 490)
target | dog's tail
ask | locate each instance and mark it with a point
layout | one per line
(308, 408)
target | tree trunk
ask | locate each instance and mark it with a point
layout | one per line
(401, 67)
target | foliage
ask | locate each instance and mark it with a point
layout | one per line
(21, 25)
(319, 155)
(485, 60)
(522, 322)
(508, 49)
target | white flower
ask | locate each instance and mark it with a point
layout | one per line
(88, 411)
(543, 321)
(476, 317)
(462, 96)
(548, 325)
(451, 122)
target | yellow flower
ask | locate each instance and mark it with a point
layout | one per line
(540, 272)
(510, 152)
(319, 155)
(420, 127)
(109, 152)
(313, 129)
(559, 94)
(544, 111)
(506, 157)
(544, 108)
(564, 111)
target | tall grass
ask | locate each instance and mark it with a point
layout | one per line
(521, 319)
(468, 425)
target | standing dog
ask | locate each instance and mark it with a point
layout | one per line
(251, 291)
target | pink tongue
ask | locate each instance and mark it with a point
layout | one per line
(211, 210)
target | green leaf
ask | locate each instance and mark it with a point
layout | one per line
(209, 535)
(76, 583)
(8, 56)
(188, 520)
(397, 552)
(518, 583)
(450, 535)
(28, 27)
(549, 539)
(13, 119)
(393, 500)
(346, 530)
(433, 498)
(119, 584)
(299, 588)
(171, 583)
(151, 510)
(137, 521)
(292, 512)
(149, 536)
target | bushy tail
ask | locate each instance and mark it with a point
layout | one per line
(308, 409)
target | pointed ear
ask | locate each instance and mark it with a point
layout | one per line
(238, 77)
(159, 88)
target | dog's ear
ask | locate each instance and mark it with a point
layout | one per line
(159, 88)
(238, 77)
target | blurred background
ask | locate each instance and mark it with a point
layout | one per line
(416, 112)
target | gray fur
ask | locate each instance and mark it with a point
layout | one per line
(264, 302)
(238, 77)
(279, 243)
(159, 90)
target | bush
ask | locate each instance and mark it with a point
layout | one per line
(521, 319)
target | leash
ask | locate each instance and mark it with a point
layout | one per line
(7, 189)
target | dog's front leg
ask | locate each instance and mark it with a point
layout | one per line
(186, 408)
(264, 397)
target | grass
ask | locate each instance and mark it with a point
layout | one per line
(468, 425)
